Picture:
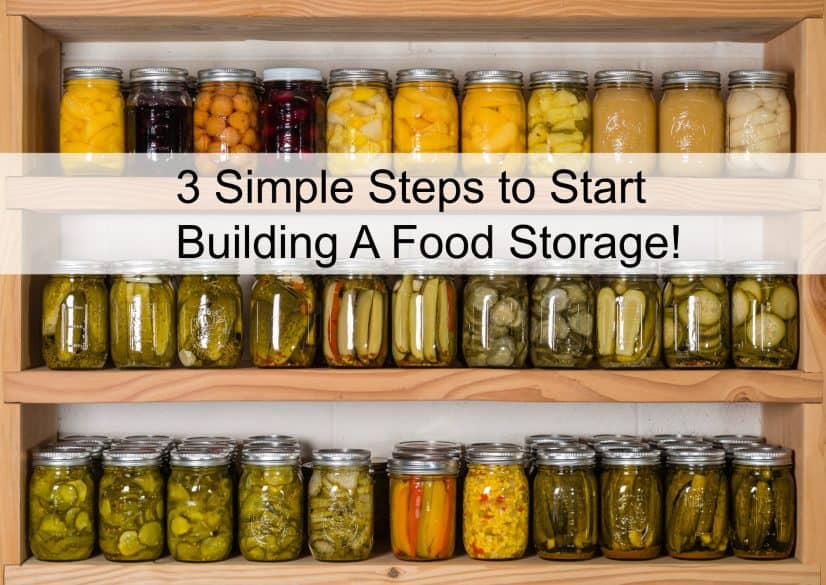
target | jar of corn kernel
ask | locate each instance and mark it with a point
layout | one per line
(226, 111)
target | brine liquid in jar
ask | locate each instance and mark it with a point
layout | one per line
(158, 111)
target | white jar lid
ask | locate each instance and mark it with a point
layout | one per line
(761, 267)
(694, 267)
(292, 74)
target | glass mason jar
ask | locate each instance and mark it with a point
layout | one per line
(75, 318)
(691, 124)
(631, 503)
(142, 315)
(696, 510)
(131, 505)
(283, 316)
(341, 505)
(424, 317)
(226, 111)
(696, 315)
(629, 319)
(381, 499)
(496, 317)
(210, 320)
(91, 111)
(200, 504)
(158, 111)
(423, 506)
(426, 112)
(533, 444)
(293, 111)
(764, 315)
(764, 501)
(496, 502)
(354, 325)
(61, 505)
(271, 504)
(563, 306)
(565, 519)
(93, 446)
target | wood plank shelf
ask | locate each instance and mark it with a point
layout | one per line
(43, 386)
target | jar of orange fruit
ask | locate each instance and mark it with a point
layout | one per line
(91, 111)
(226, 111)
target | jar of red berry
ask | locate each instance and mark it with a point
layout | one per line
(293, 111)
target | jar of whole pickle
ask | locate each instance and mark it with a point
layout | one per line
(423, 506)
(142, 314)
(425, 112)
(210, 321)
(496, 502)
(424, 307)
(565, 519)
(341, 505)
(283, 315)
(158, 111)
(226, 111)
(75, 319)
(354, 326)
(764, 315)
(495, 329)
(200, 508)
(763, 497)
(696, 315)
(629, 318)
(131, 505)
(696, 509)
(625, 121)
(271, 504)
(61, 505)
(91, 111)
(631, 503)
(293, 111)
(563, 306)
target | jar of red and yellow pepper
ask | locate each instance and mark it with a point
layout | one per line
(91, 111)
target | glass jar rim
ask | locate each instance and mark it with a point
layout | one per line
(495, 76)
(360, 75)
(132, 456)
(570, 268)
(765, 456)
(558, 76)
(65, 457)
(341, 457)
(672, 437)
(645, 269)
(158, 75)
(209, 268)
(747, 77)
(608, 77)
(690, 77)
(449, 448)
(292, 74)
(80, 267)
(229, 74)
(693, 456)
(434, 74)
(496, 267)
(92, 72)
(358, 267)
(763, 268)
(143, 267)
(423, 464)
(286, 267)
(571, 455)
(636, 456)
(693, 268)
(265, 456)
(199, 456)
(416, 266)
(495, 453)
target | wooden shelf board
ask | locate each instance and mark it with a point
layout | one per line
(44, 386)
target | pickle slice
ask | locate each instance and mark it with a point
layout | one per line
(668, 333)
(715, 284)
(400, 308)
(766, 330)
(703, 306)
(740, 307)
(751, 287)
(631, 310)
(784, 302)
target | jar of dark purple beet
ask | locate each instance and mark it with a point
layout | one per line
(158, 111)
(293, 111)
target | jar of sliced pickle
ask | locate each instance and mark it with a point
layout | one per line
(696, 315)
(354, 325)
(764, 315)
(210, 321)
(631, 503)
(763, 496)
(629, 318)
(61, 505)
(341, 505)
(200, 506)
(425, 112)
(495, 328)
(226, 111)
(424, 307)
(75, 319)
(283, 315)
(91, 111)
(293, 111)
(696, 504)
(563, 307)
(131, 504)
(565, 520)
(496, 502)
(158, 111)
(142, 314)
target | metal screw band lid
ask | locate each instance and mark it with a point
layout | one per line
(230, 74)
(693, 455)
(362, 75)
(495, 453)
(341, 457)
(613, 437)
(131, 456)
(264, 456)
(449, 448)
(61, 457)
(426, 74)
(746, 77)
(686, 444)
(80, 268)
(274, 439)
(195, 456)
(104, 439)
(95, 448)
(765, 456)
(92, 72)
(485, 76)
(544, 78)
(636, 456)
(621, 76)
(572, 455)
(158, 74)
(423, 464)
(673, 437)
(604, 446)
(732, 442)
(672, 79)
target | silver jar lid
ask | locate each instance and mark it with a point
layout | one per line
(96, 448)
(635, 456)
(573, 455)
(731, 442)
(764, 456)
(746, 77)
(61, 457)
(495, 453)
(604, 446)
(130, 456)
(161, 448)
(143, 268)
(694, 456)
(270, 444)
(274, 439)
(230, 74)
(199, 456)
(158, 74)
(220, 439)
(601, 438)
(534, 442)
(265, 456)
(449, 448)
(486, 76)
(426, 74)
(359, 75)
(686, 444)
(92, 72)
(621, 76)
(673, 437)
(104, 439)
(79, 268)
(340, 457)
(378, 465)
(423, 464)
(672, 79)
(542, 78)
(159, 439)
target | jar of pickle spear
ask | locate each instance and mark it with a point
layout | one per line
(354, 325)
(496, 502)
(629, 319)
(225, 119)
(91, 111)
(764, 315)
(200, 504)
(496, 323)
(75, 321)
(696, 504)
(631, 503)
(210, 321)
(563, 306)
(131, 504)
(424, 307)
(142, 319)
(763, 496)
(696, 315)
(340, 499)
(271, 504)
(61, 505)
(425, 113)
(565, 520)
(283, 315)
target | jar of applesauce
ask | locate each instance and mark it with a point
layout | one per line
(91, 111)
(226, 111)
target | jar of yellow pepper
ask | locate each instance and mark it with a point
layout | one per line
(91, 111)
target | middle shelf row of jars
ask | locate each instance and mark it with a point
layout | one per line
(562, 318)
